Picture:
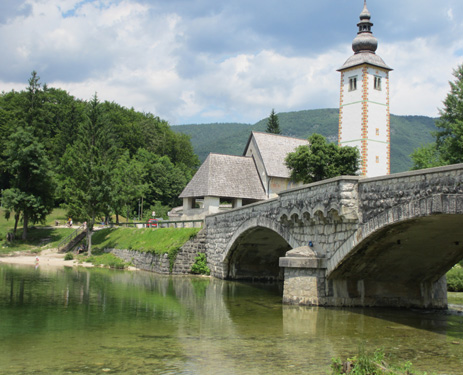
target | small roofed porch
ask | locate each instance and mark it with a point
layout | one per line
(199, 207)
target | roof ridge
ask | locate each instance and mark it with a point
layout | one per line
(279, 135)
(235, 156)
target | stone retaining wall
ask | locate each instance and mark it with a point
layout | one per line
(160, 263)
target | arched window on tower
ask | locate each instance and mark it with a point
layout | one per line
(352, 83)
(377, 83)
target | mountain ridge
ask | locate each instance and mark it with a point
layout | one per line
(407, 133)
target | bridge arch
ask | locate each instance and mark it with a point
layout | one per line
(402, 253)
(436, 219)
(254, 250)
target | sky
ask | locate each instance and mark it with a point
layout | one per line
(207, 61)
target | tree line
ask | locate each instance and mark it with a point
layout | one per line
(448, 145)
(95, 158)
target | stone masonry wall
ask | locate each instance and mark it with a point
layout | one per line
(416, 193)
(386, 200)
(160, 263)
(324, 213)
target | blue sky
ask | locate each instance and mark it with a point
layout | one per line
(201, 61)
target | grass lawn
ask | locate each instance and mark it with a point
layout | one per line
(40, 236)
(455, 298)
(156, 241)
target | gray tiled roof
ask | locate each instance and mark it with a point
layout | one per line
(273, 149)
(226, 176)
(364, 58)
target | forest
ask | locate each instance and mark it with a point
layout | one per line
(95, 158)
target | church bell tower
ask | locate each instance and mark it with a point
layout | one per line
(364, 117)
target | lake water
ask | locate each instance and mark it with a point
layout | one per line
(95, 321)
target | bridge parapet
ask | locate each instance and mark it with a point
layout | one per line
(414, 193)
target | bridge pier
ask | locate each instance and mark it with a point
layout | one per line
(305, 280)
(305, 283)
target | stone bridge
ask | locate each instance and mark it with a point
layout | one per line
(349, 241)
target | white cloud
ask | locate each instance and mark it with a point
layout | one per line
(422, 69)
(205, 62)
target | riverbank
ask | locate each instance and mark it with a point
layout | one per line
(45, 258)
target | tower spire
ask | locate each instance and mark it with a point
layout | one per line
(365, 41)
(364, 117)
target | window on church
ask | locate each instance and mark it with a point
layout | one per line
(377, 83)
(352, 83)
(377, 131)
(377, 159)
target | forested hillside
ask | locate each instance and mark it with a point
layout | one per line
(407, 133)
(95, 158)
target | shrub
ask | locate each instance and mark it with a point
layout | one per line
(172, 255)
(455, 279)
(372, 363)
(107, 260)
(200, 265)
(68, 256)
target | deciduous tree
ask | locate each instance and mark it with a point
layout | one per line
(321, 160)
(448, 148)
(127, 183)
(31, 184)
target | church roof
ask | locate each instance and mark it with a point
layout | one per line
(273, 149)
(364, 58)
(226, 176)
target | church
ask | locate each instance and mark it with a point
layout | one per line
(225, 181)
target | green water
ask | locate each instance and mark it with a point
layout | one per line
(68, 321)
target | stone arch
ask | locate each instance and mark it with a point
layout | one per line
(306, 216)
(418, 240)
(333, 215)
(319, 216)
(254, 250)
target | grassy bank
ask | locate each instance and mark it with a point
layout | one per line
(155, 241)
(38, 239)
(40, 236)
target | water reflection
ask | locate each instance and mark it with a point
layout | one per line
(91, 321)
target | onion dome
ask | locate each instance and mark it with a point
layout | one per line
(365, 41)
(365, 44)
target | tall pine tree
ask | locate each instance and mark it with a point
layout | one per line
(86, 169)
(273, 125)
